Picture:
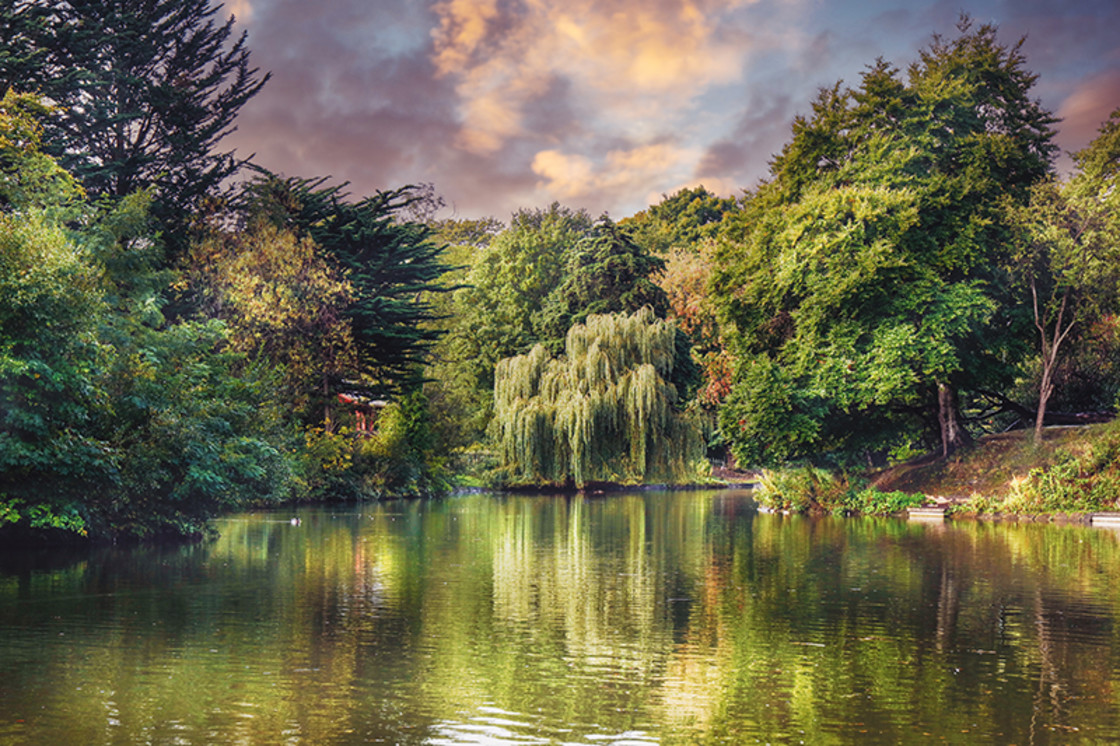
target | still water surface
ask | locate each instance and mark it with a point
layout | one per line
(644, 618)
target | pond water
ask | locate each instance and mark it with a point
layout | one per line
(643, 618)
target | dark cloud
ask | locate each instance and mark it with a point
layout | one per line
(1075, 49)
(342, 105)
(1083, 112)
(475, 185)
(553, 114)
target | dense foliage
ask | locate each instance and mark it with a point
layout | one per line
(282, 302)
(682, 219)
(114, 422)
(118, 421)
(604, 412)
(509, 281)
(172, 346)
(865, 288)
(604, 272)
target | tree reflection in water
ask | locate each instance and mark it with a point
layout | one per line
(644, 617)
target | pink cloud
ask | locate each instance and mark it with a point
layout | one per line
(1085, 109)
(603, 104)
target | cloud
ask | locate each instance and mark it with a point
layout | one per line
(762, 131)
(625, 65)
(625, 173)
(240, 9)
(565, 175)
(370, 112)
(1085, 110)
(606, 104)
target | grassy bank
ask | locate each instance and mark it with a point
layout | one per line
(1074, 471)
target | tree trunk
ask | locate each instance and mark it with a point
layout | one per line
(953, 434)
(1050, 347)
(1044, 390)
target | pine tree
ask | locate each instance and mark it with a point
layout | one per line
(143, 92)
(391, 263)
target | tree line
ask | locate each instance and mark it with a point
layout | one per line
(912, 273)
(913, 268)
(172, 347)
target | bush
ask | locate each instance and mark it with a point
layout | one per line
(870, 501)
(803, 489)
(398, 458)
(808, 489)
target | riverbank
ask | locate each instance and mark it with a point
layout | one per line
(1072, 473)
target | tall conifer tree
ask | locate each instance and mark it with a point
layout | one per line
(143, 92)
(391, 263)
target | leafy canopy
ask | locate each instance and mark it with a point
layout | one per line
(510, 277)
(283, 304)
(680, 220)
(865, 279)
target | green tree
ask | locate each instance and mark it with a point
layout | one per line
(50, 308)
(144, 92)
(190, 430)
(1068, 253)
(113, 422)
(603, 272)
(508, 282)
(866, 275)
(393, 266)
(460, 410)
(467, 234)
(1099, 162)
(679, 220)
(605, 412)
(116, 423)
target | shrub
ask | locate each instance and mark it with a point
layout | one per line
(808, 489)
(802, 489)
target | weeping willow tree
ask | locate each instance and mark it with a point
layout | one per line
(604, 412)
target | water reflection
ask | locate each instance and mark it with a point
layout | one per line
(640, 618)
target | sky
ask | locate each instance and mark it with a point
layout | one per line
(606, 105)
